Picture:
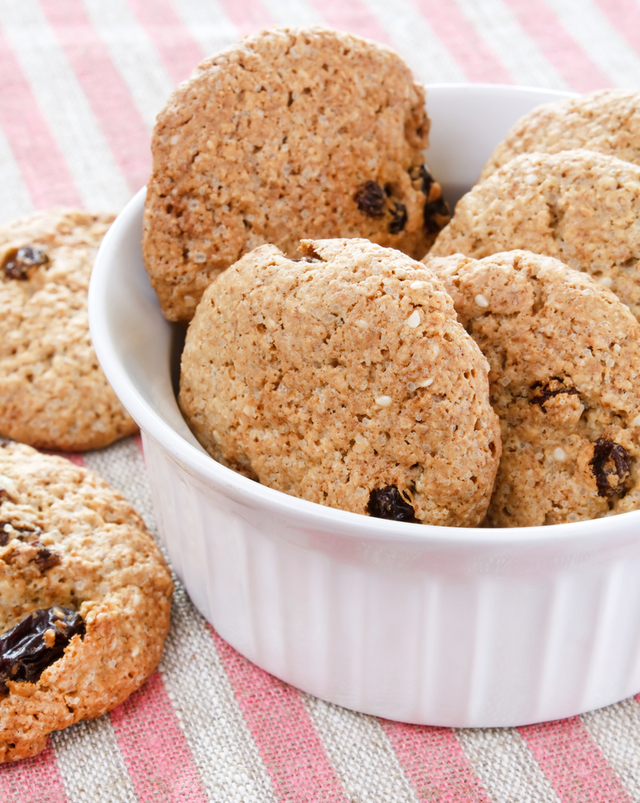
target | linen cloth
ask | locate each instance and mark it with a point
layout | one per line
(80, 84)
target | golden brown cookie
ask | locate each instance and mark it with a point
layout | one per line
(607, 121)
(289, 133)
(343, 378)
(564, 356)
(578, 206)
(84, 598)
(53, 393)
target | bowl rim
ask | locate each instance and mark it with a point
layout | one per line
(248, 492)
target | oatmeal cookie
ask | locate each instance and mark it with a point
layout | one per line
(607, 121)
(578, 206)
(343, 378)
(53, 393)
(564, 355)
(288, 133)
(84, 598)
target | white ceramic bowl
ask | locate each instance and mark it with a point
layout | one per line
(431, 625)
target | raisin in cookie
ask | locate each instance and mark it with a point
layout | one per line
(564, 356)
(289, 133)
(578, 206)
(343, 378)
(53, 393)
(607, 121)
(84, 598)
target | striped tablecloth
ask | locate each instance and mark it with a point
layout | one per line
(80, 84)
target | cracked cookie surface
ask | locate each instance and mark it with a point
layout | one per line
(564, 381)
(69, 543)
(606, 121)
(578, 206)
(53, 393)
(288, 133)
(345, 379)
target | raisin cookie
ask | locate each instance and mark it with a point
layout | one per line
(578, 206)
(607, 121)
(343, 378)
(289, 133)
(564, 356)
(84, 598)
(53, 393)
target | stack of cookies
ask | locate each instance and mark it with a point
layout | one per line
(561, 335)
(288, 203)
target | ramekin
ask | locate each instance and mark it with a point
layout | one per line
(430, 625)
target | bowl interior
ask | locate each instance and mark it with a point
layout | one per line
(139, 350)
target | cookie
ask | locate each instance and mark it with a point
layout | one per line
(84, 598)
(578, 206)
(345, 379)
(606, 121)
(288, 133)
(564, 355)
(53, 393)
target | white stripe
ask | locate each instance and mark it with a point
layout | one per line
(133, 54)
(600, 40)
(91, 764)
(14, 196)
(208, 23)
(293, 12)
(616, 731)
(201, 695)
(506, 767)
(361, 754)
(203, 700)
(122, 466)
(502, 33)
(64, 105)
(412, 36)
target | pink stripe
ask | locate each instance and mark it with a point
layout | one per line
(434, 763)
(473, 55)
(179, 51)
(352, 16)
(154, 749)
(33, 780)
(40, 160)
(74, 457)
(284, 734)
(108, 95)
(624, 15)
(558, 46)
(248, 16)
(573, 763)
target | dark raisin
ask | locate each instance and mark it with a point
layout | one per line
(46, 559)
(611, 467)
(389, 503)
(36, 642)
(9, 530)
(398, 218)
(18, 263)
(371, 199)
(423, 178)
(548, 391)
(436, 215)
(436, 210)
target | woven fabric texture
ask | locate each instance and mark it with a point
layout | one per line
(81, 83)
